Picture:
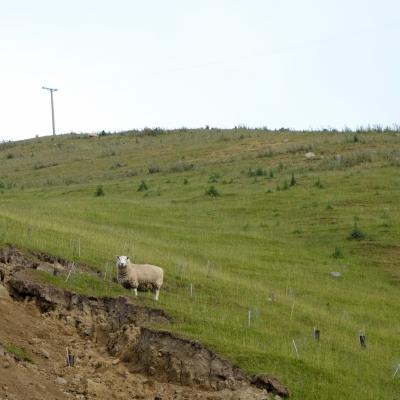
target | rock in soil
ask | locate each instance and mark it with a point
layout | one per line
(271, 384)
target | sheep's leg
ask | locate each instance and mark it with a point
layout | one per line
(157, 294)
(135, 291)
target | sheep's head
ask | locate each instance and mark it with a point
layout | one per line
(122, 261)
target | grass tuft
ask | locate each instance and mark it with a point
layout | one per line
(18, 352)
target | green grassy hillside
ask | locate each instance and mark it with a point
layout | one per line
(247, 221)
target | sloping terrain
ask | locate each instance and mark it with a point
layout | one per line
(264, 236)
(116, 355)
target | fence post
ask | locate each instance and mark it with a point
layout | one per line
(291, 313)
(363, 340)
(295, 347)
(69, 273)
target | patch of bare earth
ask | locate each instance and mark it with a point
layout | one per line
(117, 354)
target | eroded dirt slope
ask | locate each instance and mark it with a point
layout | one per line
(118, 356)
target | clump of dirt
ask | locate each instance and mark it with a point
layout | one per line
(59, 264)
(118, 353)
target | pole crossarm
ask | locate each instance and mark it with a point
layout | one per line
(52, 89)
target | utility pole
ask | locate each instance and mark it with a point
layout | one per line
(52, 106)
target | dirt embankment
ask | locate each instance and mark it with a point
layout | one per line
(117, 353)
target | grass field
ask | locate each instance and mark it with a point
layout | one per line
(245, 226)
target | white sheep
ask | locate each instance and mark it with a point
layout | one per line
(134, 276)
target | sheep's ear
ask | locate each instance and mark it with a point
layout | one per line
(117, 257)
(128, 258)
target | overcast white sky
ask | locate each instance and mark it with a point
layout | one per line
(172, 63)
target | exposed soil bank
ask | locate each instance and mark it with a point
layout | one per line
(112, 339)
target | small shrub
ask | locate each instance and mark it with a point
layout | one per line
(108, 153)
(142, 187)
(152, 131)
(130, 173)
(256, 172)
(355, 139)
(2, 185)
(260, 172)
(70, 181)
(357, 233)
(271, 174)
(319, 184)
(99, 191)
(285, 185)
(299, 149)
(212, 192)
(281, 166)
(356, 158)
(265, 153)
(117, 165)
(337, 253)
(185, 181)
(213, 178)
(292, 180)
(153, 169)
(181, 167)
(49, 182)
(9, 156)
(329, 207)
